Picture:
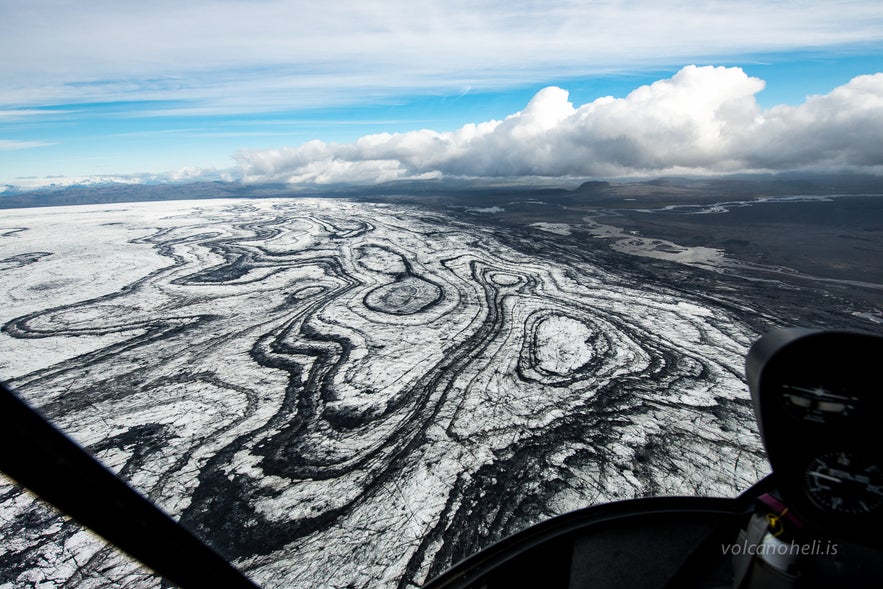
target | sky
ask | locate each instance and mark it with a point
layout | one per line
(361, 91)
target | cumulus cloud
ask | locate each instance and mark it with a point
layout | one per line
(192, 174)
(703, 120)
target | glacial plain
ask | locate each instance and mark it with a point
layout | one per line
(341, 393)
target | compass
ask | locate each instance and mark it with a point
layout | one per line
(845, 482)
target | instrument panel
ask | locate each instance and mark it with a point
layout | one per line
(818, 403)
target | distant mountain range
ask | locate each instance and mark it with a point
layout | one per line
(111, 189)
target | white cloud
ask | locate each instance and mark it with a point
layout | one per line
(15, 145)
(191, 174)
(243, 55)
(703, 120)
(842, 128)
(29, 113)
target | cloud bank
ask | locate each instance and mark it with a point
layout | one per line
(703, 120)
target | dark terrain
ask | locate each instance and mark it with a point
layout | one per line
(828, 228)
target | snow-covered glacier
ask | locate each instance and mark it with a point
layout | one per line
(346, 394)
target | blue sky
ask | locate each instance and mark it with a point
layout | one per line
(103, 88)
